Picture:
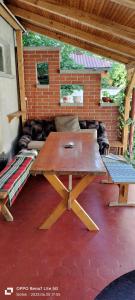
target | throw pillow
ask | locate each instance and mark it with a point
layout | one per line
(67, 123)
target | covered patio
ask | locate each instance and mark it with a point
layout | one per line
(67, 261)
(99, 27)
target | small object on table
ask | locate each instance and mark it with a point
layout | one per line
(69, 145)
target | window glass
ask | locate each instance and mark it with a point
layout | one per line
(42, 73)
(5, 58)
(1, 60)
(71, 94)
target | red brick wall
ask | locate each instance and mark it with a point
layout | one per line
(43, 103)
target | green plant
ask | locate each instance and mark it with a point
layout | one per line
(105, 82)
(120, 100)
(68, 89)
(106, 94)
(118, 75)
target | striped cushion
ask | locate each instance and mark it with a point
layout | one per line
(14, 175)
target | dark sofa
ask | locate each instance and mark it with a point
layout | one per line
(39, 130)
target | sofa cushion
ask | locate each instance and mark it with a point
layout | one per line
(67, 123)
(92, 124)
(35, 145)
(49, 126)
(83, 124)
(23, 142)
(91, 131)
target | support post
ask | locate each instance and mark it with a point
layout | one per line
(132, 127)
(131, 79)
(21, 73)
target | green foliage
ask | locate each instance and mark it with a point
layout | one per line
(68, 89)
(42, 72)
(106, 94)
(105, 82)
(117, 77)
(118, 74)
(33, 39)
(42, 69)
(120, 100)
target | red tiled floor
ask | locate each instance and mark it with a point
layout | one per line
(80, 263)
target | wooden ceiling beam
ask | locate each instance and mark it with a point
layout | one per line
(73, 32)
(77, 43)
(6, 15)
(128, 3)
(84, 18)
(130, 65)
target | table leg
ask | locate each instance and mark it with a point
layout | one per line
(83, 216)
(70, 183)
(69, 200)
(55, 215)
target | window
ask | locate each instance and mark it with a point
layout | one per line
(1, 59)
(5, 58)
(71, 95)
(42, 73)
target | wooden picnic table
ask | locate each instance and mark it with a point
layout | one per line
(69, 153)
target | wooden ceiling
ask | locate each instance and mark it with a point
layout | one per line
(104, 27)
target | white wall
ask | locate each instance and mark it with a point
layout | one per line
(8, 93)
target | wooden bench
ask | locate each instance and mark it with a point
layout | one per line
(12, 179)
(117, 146)
(121, 173)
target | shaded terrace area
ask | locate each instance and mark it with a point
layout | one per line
(74, 263)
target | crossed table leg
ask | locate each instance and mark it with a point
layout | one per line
(69, 202)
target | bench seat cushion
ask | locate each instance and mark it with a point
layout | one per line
(67, 123)
(14, 175)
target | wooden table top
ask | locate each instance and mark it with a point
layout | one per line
(83, 158)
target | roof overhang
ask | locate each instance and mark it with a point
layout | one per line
(105, 32)
(6, 14)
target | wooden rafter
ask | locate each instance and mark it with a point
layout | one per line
(131, 77)
(128, 3)
(74, 42)
(5, 14)
(73, 32)
(90, 20)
